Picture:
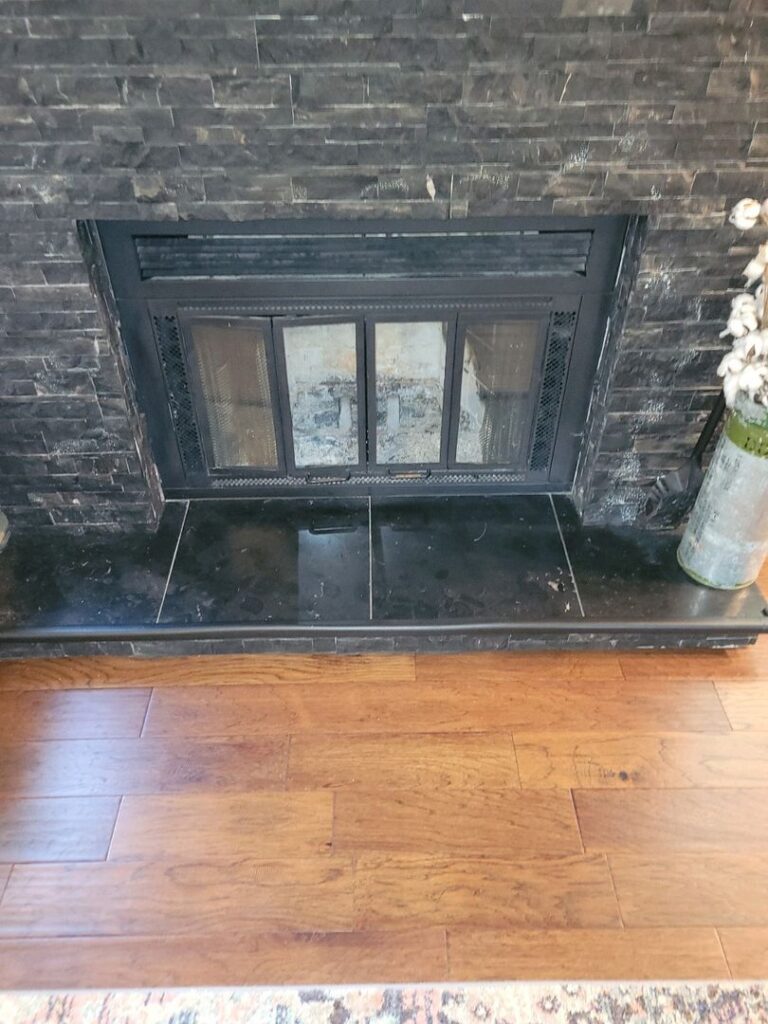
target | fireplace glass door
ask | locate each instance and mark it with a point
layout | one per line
(499, 372)
(231, 360)
(408, 361)
(324, 398)
(320, 368)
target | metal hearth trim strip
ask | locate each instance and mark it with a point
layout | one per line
(244, 631)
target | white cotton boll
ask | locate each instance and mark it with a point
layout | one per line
(752, 344)
(749, 320)
(754, 270)
(764, 211)
(742, 347)
(744, 302)
(750, 380)
(760, 296)
(730, 364)
(736, 327)
(745, 214)
(747, 348)
(731, 390)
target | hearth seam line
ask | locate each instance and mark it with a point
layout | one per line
(370, 560)
(173, 564)
(567, 557)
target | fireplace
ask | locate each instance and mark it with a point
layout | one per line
(280, 358)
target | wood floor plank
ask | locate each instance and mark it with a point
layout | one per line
(72, 715)
(153, 962)
(599, 954)
(399, 890)
(604, 760)
(746, 703)
(129, 766)
(732, 820)
(746, 950)
(470, 706)
(263, 825)
(5, 872)
(204, 670)
(484, 823)
(744, 663)
(316, 958)
(687, 890)
(394, 761)
(178, 898)
(503, 666)
(55, 830)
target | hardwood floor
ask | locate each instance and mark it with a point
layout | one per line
(319, 820)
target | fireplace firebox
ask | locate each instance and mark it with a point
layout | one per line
(294, 358)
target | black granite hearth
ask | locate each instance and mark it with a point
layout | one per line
(393, 574)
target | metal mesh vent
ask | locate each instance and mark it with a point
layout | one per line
(220, 482)
(561, 329)
(168, 341)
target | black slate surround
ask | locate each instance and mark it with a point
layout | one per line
(347, 110)
(249, 109)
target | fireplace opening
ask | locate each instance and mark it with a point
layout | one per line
(312, 358)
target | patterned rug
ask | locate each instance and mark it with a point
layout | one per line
(499, 1003)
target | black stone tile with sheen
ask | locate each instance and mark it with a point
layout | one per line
(491, 559)
(629, 574)
(271, 560)
(91, 578)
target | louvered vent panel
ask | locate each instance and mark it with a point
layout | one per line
(497, 254)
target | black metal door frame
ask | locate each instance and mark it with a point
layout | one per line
(580, 302)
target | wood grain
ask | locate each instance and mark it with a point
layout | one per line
(224, 872)
(503, 666)
(55, 830)
(178, 898)
(734, 820)
(204, 670)
(744, 663)
(317, 958)
(599, 954)
(483, 823)
(403, 762)
(392, 890)
(263, 825)
(644, 760)
(123, 766)
(691, 890)
(746, 950)
(468, 707)
(746, 703)
(71, 715)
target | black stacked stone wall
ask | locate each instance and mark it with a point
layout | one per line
(242, 109)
